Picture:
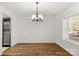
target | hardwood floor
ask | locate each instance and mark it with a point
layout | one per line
(36, 49)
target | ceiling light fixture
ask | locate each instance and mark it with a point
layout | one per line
(37, 17)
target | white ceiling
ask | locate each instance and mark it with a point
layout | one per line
(28, 8)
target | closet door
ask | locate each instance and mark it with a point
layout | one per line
(6, 37)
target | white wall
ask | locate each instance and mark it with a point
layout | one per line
(33, 32)
(13, 26)
(65, 44)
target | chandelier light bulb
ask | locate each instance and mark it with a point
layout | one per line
(40, 16)
(33, 16)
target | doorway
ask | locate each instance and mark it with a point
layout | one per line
(6, 32)
(71, 29)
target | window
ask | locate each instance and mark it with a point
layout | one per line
(71, 29)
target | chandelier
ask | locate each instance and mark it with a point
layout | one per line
(37, 17)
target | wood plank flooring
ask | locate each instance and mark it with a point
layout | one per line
(36, 49)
